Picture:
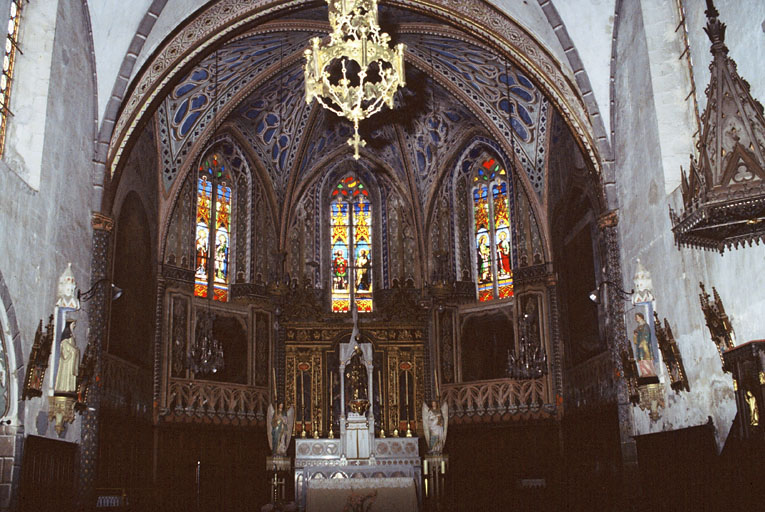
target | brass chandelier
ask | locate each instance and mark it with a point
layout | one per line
(370, 71)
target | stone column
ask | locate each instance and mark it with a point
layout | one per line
(615, 339)
(555, 342)
(98, 309)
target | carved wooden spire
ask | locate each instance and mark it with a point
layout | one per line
(724, 192)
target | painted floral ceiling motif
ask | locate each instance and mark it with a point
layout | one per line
(453, 87)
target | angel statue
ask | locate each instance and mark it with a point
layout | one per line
(280, 432)
(434, 423)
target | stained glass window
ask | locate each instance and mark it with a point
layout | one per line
(351, 246)
(11, 45)
(493, 236)
(213, 229)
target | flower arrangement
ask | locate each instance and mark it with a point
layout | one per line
(360, 502)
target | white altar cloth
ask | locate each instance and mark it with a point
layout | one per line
(396, 494)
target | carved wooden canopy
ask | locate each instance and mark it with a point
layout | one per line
(724, 193)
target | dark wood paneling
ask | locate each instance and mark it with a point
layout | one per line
(489, 464)
(47, 475)
(211, 469)
(680, 470)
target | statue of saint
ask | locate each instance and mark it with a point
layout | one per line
(68, 362)
(641, 338)
(754, 411)
(356, 382)
(435, 421)
(280, 428)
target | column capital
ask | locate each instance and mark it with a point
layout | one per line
(101, 222)
(609, 219)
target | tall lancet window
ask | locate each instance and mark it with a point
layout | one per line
(493, 241)
(9, 59)
(351, 245)
(213, 229)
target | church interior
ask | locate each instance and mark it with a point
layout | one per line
(382, 255)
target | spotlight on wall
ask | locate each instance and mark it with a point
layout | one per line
(86, 296)
(595, 294)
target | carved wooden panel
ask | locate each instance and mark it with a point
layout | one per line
(311, 351)
(179, 335)
(262, 348)
(47, 474)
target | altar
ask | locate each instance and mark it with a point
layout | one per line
(358, 465)
(374, 494)
(318, 460)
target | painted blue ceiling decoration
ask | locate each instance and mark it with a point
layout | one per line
(419, 134)
(383, 142)
(327, 135)
(258, 118)
(497, 89)
(433, 134)
(188, 109)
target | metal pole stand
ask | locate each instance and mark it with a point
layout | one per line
(279, 468)
(434, 470)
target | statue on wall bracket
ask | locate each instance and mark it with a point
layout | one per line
(642, 339)
(65, 357)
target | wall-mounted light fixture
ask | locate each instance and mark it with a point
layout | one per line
(595, 294)
(86, 296)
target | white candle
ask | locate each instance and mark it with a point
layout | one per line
(302, 396)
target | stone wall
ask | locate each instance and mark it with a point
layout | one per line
(646, 233)
(45, 222)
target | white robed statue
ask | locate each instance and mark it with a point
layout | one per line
(435, 422)
(280, 428)
(68, 362)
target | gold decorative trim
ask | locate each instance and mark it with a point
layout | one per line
(651, 399)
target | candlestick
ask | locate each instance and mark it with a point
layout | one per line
(443, 467)
(380, 397)
(425, 467)
(302, 396)
(406, 392)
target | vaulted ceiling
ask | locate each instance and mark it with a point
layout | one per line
(458, 88)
